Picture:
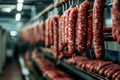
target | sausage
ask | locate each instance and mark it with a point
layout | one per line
(71, 30)
(90, 28)
(66, 25)
(82, 21)
(56, 35)
(98, 17)
(63, 30)
(102, 64)
(117, 77)
(110, 73)
(116, 20)
(115, 74)
(60, 39)
(47, 42)
(42, 32)
(51, 31)
(109, 69)
(101, 71)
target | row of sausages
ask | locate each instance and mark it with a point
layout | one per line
(78, 26)
(47, 68)
(69, 30)
(105, 68)
(34, 34)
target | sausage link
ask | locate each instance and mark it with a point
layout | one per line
(51, 31)
(116, 20)
(71, 30)
(98, 17)
(42, 31)
(63, 30)
(56, 35)
(47, 42)
(90, 29)
(60, 39)
(115, 74)
(66, 25)
(82, 21)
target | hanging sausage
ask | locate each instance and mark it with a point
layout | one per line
(116, 20)
(98, 20)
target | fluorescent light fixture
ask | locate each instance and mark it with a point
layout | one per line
(13, 33)
(6, 10)
(19, 6)
(20, 1)
(18, 17)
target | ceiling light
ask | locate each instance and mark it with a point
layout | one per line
(20, 1)
(18, 17)
(13, 33)
(6, 10)
(19, 6)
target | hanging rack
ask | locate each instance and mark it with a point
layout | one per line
(52, 6)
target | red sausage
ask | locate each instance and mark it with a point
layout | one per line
(56, 35)
(71, 30)
(116, 20)
(63, 30)
(66, 25)
(90, 29)
(60, 39)
(98, 17)
(47, 42)
(51, 31)
(82, 22)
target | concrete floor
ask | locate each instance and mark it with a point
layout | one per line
(11, 71)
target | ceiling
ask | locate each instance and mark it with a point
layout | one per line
(30, 9)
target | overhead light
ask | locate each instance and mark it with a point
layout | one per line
(13, 33)
(6, 10)
(20, 1)
(18, 17)
(19, 6)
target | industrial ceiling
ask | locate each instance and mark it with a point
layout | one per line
(8, 11)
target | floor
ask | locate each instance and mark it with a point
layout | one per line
(11, 72)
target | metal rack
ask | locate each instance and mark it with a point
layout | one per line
(87, 75)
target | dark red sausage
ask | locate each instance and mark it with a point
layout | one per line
(63, 30)
(56, 35)
(66, 25)
(47, 41)
(98, 20)
(90, 28)
(42, 31)
(116, 20)
(51, 31)
(82, 22)
(60, 38)
(71, 30)
(115, 74)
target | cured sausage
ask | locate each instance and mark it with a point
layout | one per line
(116, 20)
(42, 31)
(71, 30)
(90, 29)
(51, 31)
(66, 25)
(60, 39)
(56, 35)
(63, 30)
(115, 74)
(98, 17)
(47, 42)
(82, 26)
